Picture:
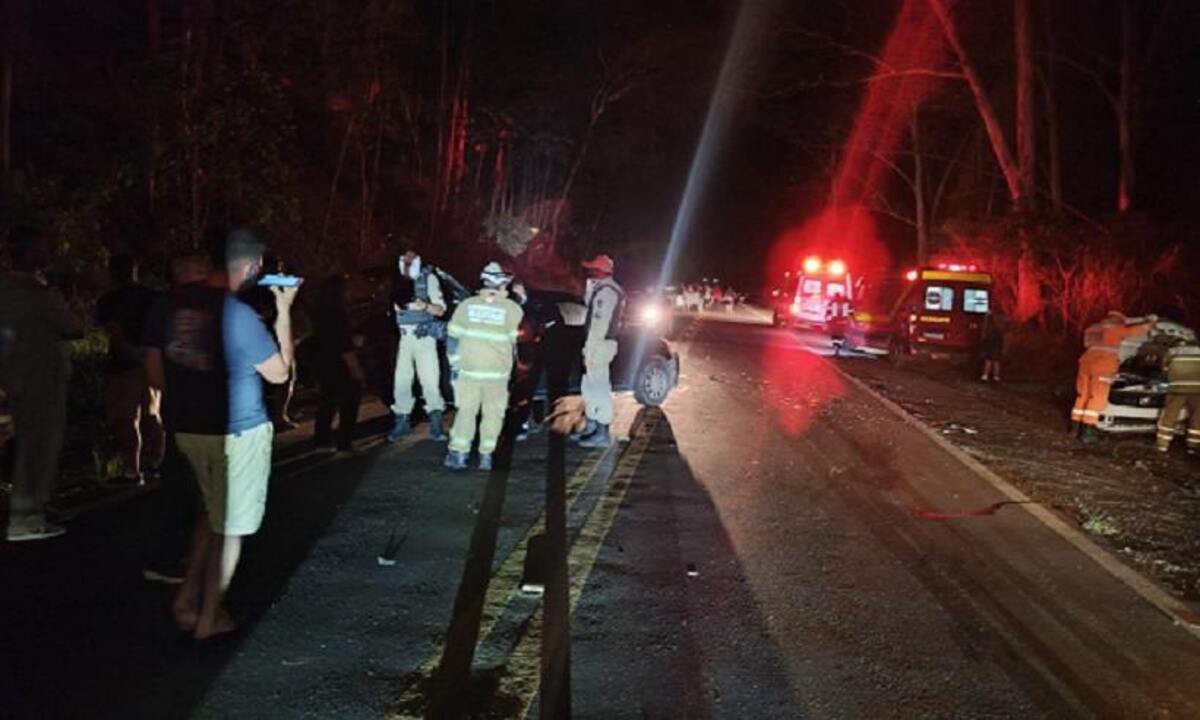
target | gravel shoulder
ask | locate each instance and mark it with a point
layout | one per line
(1143, 507)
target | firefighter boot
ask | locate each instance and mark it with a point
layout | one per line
(399, 429)
(598, 439)
(485, 461)
(1089, 435)
(437, 430)
(456, 460)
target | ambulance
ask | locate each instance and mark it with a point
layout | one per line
(936, 311)
(806, 295)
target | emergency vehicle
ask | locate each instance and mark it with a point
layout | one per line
(805, 296)
(935, 311)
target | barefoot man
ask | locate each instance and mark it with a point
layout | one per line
(210, 358)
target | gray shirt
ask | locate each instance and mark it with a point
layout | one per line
(34, 322)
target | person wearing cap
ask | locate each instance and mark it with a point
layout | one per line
(422, 305)
(1098, 368)
(481, 341)
(605, 301)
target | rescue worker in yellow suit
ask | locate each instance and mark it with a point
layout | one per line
(605, 301)
(1098, 368)
(417, 353)
(481, 341)
(1182, 364)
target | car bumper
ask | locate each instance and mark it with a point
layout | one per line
(1127, 419)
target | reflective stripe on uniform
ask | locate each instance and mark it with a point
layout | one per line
(482, 375)
(458, 331)
(1090, 413)
(1076, 412)
(1106, 379)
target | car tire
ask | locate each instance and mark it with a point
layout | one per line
(653, 382)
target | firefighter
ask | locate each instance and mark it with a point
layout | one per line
(481, 342)
(1182, 364)
(605, 302)
(1098, 368)
(837, 317)
(417, 314)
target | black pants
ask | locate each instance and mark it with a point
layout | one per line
(341, 395)
(169, 511)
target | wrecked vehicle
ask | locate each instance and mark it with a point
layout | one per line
(1140, 388)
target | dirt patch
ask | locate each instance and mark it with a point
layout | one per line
(1144, 507)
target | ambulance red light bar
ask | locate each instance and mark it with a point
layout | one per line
(958, 267)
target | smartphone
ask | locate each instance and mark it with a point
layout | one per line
(276, 280)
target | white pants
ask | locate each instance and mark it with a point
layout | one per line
(419, 357)
(597, 382)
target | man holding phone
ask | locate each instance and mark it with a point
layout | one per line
(211, 353)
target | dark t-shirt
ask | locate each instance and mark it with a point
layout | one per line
(186, 325)
(128, 307)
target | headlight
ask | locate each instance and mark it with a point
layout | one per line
(650, 314)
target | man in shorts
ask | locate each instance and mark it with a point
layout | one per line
(211, 357)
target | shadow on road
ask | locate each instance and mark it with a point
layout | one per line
(83, 635)
(668, 625)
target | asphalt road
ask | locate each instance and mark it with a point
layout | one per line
(750, 551)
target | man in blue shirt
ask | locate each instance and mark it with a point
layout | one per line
(232, 463)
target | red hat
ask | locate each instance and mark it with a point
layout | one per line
(601, 263)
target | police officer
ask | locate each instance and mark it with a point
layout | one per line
(417, 353)
(605, 302)
(1182, 364)
(481, 341)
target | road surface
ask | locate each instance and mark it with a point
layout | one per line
(751, 550)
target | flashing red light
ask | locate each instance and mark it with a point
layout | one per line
(812, 264)
(837, 268)
(911, 275)
(958, 267)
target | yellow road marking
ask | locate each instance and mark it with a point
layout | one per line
(520, 674)
(501, 588)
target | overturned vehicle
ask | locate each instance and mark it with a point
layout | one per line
(1139, 390)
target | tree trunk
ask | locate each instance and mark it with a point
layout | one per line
(9, 22)
(337, 176)
(1053, 140)
(1026, 109)
(1125, 110)
(919, 190)
(153, 48)
(991, 122)
(7, 70)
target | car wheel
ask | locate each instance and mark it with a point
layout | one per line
(653, 383)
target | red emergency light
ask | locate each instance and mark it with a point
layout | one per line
(911, 275)
(837, 268)
(958, 267)
(812, 265)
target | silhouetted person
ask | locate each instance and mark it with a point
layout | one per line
(339, 375)
(132, 412)
(34, 369)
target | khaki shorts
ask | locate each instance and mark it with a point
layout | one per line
(232, 472)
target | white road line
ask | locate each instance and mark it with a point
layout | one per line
(1182, 613)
